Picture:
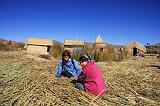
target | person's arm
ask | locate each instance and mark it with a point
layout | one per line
(82, 77)
(78, 69)
(59, 69)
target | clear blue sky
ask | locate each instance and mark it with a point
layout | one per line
(118, 21)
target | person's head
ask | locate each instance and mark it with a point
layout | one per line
(83, 60)
(66, 55)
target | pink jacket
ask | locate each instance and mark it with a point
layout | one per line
(94, 82)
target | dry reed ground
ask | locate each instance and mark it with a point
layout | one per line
(25, 80)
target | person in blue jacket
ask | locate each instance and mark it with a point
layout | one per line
(68, 67)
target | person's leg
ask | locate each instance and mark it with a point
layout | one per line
(66, 74)
(72, 78)
(63, 74)
(78, 85)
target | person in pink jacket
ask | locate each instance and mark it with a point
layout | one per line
(91, 79)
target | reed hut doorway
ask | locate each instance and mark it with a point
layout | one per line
(101, 49)
(135, 51)
(48, 48)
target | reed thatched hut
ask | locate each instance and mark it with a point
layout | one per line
(73, 44)
(136, 49)
(39, 46)
(99, 43)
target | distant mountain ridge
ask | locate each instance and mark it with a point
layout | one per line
(4, 40)
(58, 42)
(157, 44)
(54, 41)
(1, 39)
(9, 45)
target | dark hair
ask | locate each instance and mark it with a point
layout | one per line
(66, 52)
(83, 58)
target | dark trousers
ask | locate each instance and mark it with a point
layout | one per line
(75, 83)
(78, 85)
(67, 74)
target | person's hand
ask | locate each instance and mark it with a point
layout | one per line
(73, 78)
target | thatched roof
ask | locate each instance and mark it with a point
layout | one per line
(74, 42)
(38, 41)
(99, 39)
(99, 42)
(137, 45)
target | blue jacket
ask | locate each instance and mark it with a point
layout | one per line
(73, 69)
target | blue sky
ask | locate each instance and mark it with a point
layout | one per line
(118, 21)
